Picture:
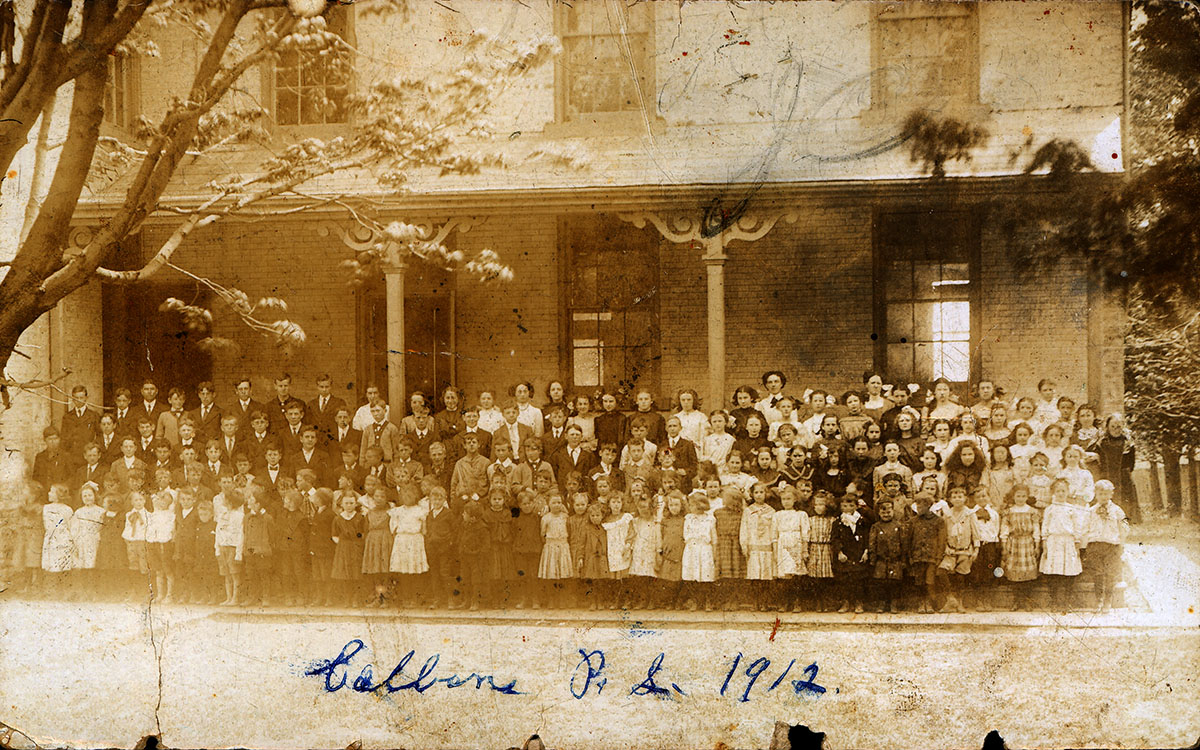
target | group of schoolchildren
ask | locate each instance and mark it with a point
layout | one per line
(778, 503)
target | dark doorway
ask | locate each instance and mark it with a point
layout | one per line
(143, 341)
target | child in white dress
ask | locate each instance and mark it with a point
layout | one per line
(85, 535)
(645, 539)
(1061, 539)
(790, 533)
(757, 538)
(57, 550)
(407, 522)
(699, 541)
(717, 443)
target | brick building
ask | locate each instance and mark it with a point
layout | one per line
(842, 257)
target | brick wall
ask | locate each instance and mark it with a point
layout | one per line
(289, 260)
(799, 300)
(1034, 324)
(683, 320)
(508, 331)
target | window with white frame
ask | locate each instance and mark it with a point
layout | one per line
(311, 86)
(606, 71)
(925, 52)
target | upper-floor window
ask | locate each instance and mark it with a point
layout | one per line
(120, 91)
(606, 71)
(925, 52)
(311, 85)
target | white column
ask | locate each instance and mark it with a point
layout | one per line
(397, 394)
(714, 262)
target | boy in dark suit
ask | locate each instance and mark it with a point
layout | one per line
(277, 407)
(343, 436)
(145, 438)
(288, 435)
(126, 424)
(93, 469)
(207, 416)
(470, 417)
(245, 405)
(231, 438)
(322, 410)
(80, 424)
(554, 438)
(108, 439)
(682, 449)
(52, 465)
(258, 437)
(311, 457)
(512, 432)
(150, 407)
(572, 456)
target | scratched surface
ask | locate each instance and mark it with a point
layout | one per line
(93, 676)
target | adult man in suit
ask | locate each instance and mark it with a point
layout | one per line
(512, 432)
(150, 406)
(207, 416)
(311, 457)
(322, 410)
(572, 456)
(343, 436)
(244, 406)
(80, 424)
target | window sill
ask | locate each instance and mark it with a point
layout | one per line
(971, 112)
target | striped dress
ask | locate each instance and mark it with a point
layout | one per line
(820, 557)
(730, 561)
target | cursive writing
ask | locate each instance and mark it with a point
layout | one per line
(336, 672)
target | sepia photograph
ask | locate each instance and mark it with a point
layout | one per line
(599, 373)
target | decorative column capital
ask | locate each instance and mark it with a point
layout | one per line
(686, 228)
(362, 238)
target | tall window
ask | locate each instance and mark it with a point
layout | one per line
(925, 52)
(611, 303)
(120, 91)
(606, 72)
(924, 291)
(311, 86)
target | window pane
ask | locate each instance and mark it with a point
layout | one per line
(287, 107)
(925, 275)
(899, 322)
(287, 69)
(952, 321)
(952, 361)
(900, 361)
(899, 281)
(587, 366)
(312, 106)
(923, 362)
(612, 331)
(923, 320)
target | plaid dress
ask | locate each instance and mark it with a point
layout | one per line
(730, 562)
(1020, 554)
(820, 557)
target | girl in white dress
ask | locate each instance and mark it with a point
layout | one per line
(693, 423)
(1080, 481)
(790, 532)
(1062, 535)
(57, 549)
(699, 541)
(408, 524)
(757, 537)
(85, 533)
(717, 443)
(555, 564)
(645, 539)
